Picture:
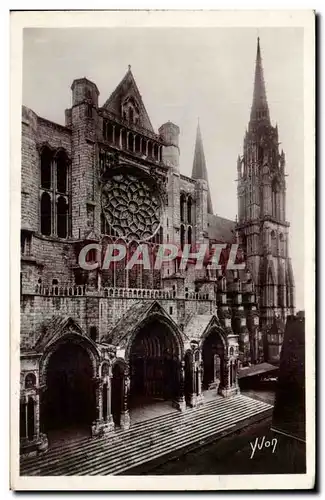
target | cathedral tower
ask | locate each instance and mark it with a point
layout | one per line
(262, 226)
(199, 170)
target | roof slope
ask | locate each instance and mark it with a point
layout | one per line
(220, 229)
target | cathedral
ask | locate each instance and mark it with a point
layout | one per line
(97, 343)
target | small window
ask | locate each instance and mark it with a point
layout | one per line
(30, 381)
(131, 115)
(89, 111)
(25, 243)
(93, 333)
(55, 282)
(171, 311)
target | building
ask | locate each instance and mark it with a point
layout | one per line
(95, 343)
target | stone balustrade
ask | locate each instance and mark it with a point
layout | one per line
(110, 292)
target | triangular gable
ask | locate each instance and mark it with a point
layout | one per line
(128, 88)
(199, 324)
(133, 318)
(54, 329)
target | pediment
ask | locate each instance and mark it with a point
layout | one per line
(127, 91)
(55, 329)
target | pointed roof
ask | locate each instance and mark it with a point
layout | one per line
(199, 170)
(128, 88)
(55, 328)
(260, 108)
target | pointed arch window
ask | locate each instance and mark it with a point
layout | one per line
(182, 236)
(54, 193)
(46, 214)
(271, 290)
(273, 243)
(288, 293)
(189, 210)
(281, 245)
(62, 172)
(46, 168)
(131, 115)
(189, 235)
(62, 217)
(182, 207)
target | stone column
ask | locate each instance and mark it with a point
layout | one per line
(125, 415)
(113, 134)
(26, 418)
(109, 422)
(97, 424)
(120, 138)
(179, 403)
(226, 389)
(37, 417)
(199, 378)
(109, 399)
(193, 395)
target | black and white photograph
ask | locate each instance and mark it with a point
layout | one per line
(164, 194)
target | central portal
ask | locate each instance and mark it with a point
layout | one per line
(154, 364)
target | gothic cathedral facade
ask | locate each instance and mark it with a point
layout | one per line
(94, 343)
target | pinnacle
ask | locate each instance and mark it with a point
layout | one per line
(199, 170)
(260, 109)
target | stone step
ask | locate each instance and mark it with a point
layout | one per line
(137, 447)
(165, 448)
(141, 433)
(139, 428)
(127, 449)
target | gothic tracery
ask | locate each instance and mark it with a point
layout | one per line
(131, 208)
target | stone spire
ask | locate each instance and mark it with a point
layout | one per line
(199, 170)
(260, 108)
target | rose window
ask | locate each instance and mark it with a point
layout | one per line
(131, 208)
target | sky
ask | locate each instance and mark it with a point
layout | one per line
(186, 74)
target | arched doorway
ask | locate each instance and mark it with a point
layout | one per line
(213, 360)
(154, 364)
(69, 398)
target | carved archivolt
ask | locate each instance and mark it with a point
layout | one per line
(131, 208)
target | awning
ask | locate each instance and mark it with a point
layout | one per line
(250, 371)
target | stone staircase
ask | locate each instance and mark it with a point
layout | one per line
(161, 438)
